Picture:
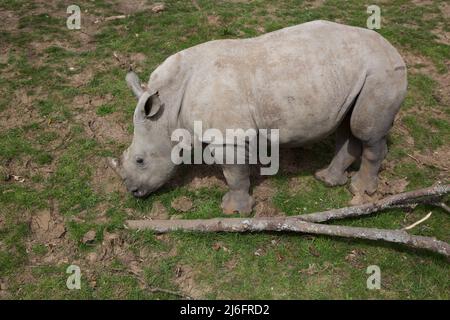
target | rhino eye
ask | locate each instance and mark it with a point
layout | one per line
(139, 160)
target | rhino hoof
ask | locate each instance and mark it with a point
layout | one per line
(330, 179)
(361, 185)
(237, 202)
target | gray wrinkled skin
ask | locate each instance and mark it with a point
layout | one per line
(309, 81)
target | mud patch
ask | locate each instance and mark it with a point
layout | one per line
(442, 35)
(263, 194)
(445, 9)
(312, 4)
(82, 78)
(265, 190)
(422, 2)
(159, 211)
(391, 186)
(107, 129)
(386, 187)
(185, 279)
(183, 204)
(213, 20)
(438, 158)
(267, 209)
(113, 247)
(22, 110)
(9, 20)
(104, 180)
(47, 228)
(104, 129)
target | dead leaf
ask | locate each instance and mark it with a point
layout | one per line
(158, 7)
(57, 231)
(279, 257)
(312, 269)
(18, 178)
(135, 268)
(92, 257)
(89, 237)
(258, 252)
(313, 250)
(178, 272)
(3, 285)
(110, 237)
(355, 257)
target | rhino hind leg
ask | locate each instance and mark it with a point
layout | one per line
(237, 199)
(372, 118)
(348, 150)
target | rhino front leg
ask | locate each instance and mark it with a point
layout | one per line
(238, 198)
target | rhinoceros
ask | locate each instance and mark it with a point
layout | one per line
(308, 81)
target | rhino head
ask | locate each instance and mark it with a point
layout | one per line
(146, 165)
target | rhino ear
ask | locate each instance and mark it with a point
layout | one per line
(149, 106)
(134, 84)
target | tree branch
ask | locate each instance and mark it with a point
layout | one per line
(293, 225)
(405, 199)
(308, 223)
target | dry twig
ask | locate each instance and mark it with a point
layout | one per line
(418, 222)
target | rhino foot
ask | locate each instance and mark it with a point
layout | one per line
(237, 202)
(363, 185)
(331, 179)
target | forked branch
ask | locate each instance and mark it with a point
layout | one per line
(308, 223)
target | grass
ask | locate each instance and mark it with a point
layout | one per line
(48, 140)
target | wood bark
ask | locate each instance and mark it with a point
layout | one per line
(429, 195)
(308, 223)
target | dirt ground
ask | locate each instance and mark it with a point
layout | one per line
(65, 108)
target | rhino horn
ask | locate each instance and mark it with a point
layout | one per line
(114, 164)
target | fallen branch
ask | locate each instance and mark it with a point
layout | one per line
(291, 224)
(308, 223)
(430, 195)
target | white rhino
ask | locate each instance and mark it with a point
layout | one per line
(308, 81)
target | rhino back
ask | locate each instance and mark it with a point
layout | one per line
(300, 79)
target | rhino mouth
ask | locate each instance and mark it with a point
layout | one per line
(140, 193)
